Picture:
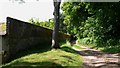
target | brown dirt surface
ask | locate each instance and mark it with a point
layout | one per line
(98, 59)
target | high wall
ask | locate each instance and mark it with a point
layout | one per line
(22, 35)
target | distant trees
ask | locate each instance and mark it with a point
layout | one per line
(47, 24)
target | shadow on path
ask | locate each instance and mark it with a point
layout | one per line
(98, 59)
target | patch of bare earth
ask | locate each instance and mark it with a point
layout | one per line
(98, 59)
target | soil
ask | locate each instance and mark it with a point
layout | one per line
(98, 59)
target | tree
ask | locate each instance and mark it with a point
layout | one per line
(55, 41)
(75, 14)
(93, 22)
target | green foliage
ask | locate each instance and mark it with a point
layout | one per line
(46, 24)
(49, 24)
(112, 49)
(93, 22)
(2, 27)
(74, 16)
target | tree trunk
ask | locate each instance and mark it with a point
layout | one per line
(55, 41)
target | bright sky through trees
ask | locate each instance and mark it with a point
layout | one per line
(42, 9)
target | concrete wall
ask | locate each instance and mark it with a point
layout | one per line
(0, 49)
(22, 35)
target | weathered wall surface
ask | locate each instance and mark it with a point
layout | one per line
(22, 35)
(0, 50)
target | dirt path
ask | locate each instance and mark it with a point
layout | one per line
(97, 59)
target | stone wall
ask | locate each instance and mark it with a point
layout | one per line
(22, 35)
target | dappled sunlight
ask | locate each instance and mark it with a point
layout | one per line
(95, 58)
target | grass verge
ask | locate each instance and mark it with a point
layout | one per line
(55, 58)
(108, 49)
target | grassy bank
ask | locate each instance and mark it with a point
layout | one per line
(109, 49)
(64, 57)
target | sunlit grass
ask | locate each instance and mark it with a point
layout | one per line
(112, 49)
(53, 58)
(78, 47)
(109, 49)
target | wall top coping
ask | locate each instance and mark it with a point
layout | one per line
(9, 18)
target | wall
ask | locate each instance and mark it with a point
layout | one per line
(22, 35)
(0, 49)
